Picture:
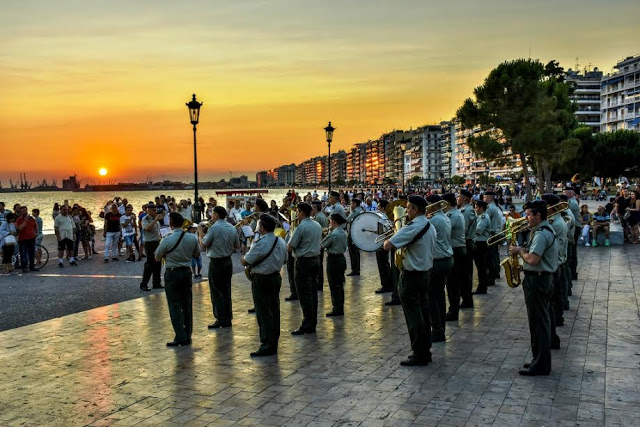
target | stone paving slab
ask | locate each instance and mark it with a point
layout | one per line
(110, 366)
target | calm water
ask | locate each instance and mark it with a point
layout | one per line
(95, 201)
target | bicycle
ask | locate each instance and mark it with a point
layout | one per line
(44, 257)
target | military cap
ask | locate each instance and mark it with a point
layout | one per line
(433, 198)
(551, 199)
(338, 218)
(418, 201)
(356, 201)
(482, 204)
(449, 198)
(466, 193)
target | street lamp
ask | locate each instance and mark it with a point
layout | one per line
(329, 131)
(403, 147)
(194, 117)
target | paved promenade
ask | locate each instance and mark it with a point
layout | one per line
(110, 366)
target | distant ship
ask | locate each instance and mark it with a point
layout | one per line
(132, 186)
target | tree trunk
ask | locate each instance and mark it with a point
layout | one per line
(539, 176)
(546, 170)
(525, 171)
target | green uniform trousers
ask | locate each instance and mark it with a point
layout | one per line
(307, 288)
(177, 286)
(455, 278)
(537, 297)
(354, 256)
(266, 297)
(220, 272)
(336, 266)
(437, 299)
(291, 273)
(413, 290)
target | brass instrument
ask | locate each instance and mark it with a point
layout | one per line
(436, 207)
(326, 231)
(520, 225)
(399, 206)
(247, 220)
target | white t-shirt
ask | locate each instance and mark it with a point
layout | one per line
(65, 226)
(128, 229)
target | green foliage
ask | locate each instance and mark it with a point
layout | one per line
(616, 153)
(457, 180)
(414, 180)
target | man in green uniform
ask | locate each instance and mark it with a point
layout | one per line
(442, 265)
(570, 192)
(267, 255)
(261, 208)
(151, 231)
(540, 261)
(220, 242)
(561, 231)
(177, 249)
(466, 284)
(418, 239)
(336, 244)
(481, 252)
(354, 251)
(394, 272)
(334, 207)
(305, 246)
(571, 239)
(459, 246)
(320, 218)
(496, 218)
(382, 258)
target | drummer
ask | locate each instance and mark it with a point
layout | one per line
(354, 252)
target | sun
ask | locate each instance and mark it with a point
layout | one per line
(103, 171)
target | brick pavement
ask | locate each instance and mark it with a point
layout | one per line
(110, 366)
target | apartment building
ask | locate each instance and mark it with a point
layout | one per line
(286, 174)
(426, 154)
(447, 148)
(586, 96)
(620, 96)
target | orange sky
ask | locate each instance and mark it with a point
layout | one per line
(86, 85)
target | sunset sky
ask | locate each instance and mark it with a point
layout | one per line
(88, 84)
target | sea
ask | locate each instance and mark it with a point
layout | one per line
(95, 201)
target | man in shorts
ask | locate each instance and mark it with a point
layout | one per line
(65, 230)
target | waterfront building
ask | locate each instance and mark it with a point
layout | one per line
(394, 155)
(339, 167)
(620, 96)
(586, 96)
(426, 154)
(286, 174)
(447, 148)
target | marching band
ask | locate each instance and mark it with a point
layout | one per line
(425, 250)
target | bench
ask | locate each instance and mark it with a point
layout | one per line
(616, 235)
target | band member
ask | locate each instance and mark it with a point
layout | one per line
(556, 316)
(334, 207)
(261, 208)
(442, 265)
(571, 247)
(305, 247)
(151, 233)
(540, 261)
(220, 242)
(459, 246)
(395, 271)
(481, 253)
(319, 217)
(417, 238)
(382, 259)
(466, 283)
(336, 244)
(285, 210)
(177, 249)
(354, 252)
(570, 192)
(266, 257)
(496, 218)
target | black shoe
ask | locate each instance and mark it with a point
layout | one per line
(74, 263)
(25, 270)
(560, 322)
(263, 352)
(392, 302)
(301, 331)
(526, 365)
(291, 298)
(414, 361)
(569, 293)
(60, 265)
(451, 317)
(555, 345)
(438, 338)
(479, 292)
(115, 259)
(565, 307)
(37, 269)
(178, 343)
(382, 291)
(218, 325)
(532, 373)
(139, 259)
(106, 261)
(144, 288)
(143, 256)
(158, 287)
(251, 310)
(466, 305)
(334, 313)
(353, 274)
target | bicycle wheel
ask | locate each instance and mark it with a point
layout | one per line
(44, 258)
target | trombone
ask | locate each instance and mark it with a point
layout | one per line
(431, 210)
(520, 225)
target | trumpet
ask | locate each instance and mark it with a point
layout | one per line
(520, 225)
(247, 220)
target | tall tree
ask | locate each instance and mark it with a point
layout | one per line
(522, 109)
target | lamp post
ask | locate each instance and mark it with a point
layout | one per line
(403, 147)
(194, 117)
(329, 131)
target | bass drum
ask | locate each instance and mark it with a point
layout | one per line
(366, 227)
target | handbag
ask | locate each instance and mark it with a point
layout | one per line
(627, 215)
(10, 240)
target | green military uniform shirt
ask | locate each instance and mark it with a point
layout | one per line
(469, 221)
(571, 225)
(221, 239)
(541, 243)
(418, 256)
(483, 228)
(560, 228)
(442, 225)
(457, 228)
(260, 248)
(338, 209)
(182, 254)
(306, 239)
(154, 234)
(575, 210)
(321, 219)
(495, 217)
(336, 242)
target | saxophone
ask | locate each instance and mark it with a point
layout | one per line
(511, 264)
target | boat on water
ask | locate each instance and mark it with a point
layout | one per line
(243, 196)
